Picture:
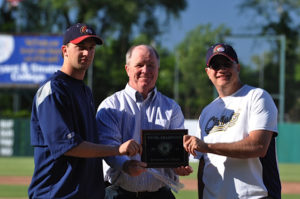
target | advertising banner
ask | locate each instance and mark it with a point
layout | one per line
(26, 60)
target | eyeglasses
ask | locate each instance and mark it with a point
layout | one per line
(217, 66)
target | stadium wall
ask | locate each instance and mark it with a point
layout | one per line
(15, 139)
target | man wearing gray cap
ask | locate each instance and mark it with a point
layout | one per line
(237, 135)
(63, 127)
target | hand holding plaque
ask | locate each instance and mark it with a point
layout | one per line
(164, 148)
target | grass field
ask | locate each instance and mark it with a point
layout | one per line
(23, 166)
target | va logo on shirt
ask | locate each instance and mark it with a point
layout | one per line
(215, 124)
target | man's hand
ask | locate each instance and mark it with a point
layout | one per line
(134, 167)
(183, 170)
(130, 148)
(192, 144)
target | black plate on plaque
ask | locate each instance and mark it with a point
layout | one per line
(164, 148)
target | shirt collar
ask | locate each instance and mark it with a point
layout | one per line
(134, 94)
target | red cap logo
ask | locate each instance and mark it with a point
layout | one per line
(83, 29)
(218, 48)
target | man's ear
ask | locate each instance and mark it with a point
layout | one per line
(206, 70)
(238, 67)
(64, 50)
(127, 69)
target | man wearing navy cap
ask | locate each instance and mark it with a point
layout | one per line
(237, 135)
(63, 128)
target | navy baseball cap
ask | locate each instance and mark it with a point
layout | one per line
(221, 49)
(79, 32)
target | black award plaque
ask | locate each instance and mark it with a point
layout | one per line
(164, 148)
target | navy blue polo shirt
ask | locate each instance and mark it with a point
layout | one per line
(63, 116)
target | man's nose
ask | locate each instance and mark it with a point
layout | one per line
(145, 68)
(85, 52)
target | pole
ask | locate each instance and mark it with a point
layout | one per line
(282, 41)
(282, 78)
(176, 78)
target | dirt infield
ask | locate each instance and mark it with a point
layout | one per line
(15, 180)
(189, 184)
(287, 187)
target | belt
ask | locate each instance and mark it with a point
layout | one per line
(141, 194)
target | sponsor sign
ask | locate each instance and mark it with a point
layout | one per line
(28, 60)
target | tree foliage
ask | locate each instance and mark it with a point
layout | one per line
(279, 18)
(195, 89)
(120, 23)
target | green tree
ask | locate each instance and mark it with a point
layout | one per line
(276, 18)
(195, 89)
(118, 23)
(7, 19)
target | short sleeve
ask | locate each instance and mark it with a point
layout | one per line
(263, 112)
(55, 121)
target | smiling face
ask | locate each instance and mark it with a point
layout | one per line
(224, 74)
(142, 69)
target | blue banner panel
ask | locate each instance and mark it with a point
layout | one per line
(29, 60)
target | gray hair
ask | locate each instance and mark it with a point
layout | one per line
(150, 48)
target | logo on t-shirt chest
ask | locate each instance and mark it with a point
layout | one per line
(215, 124)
